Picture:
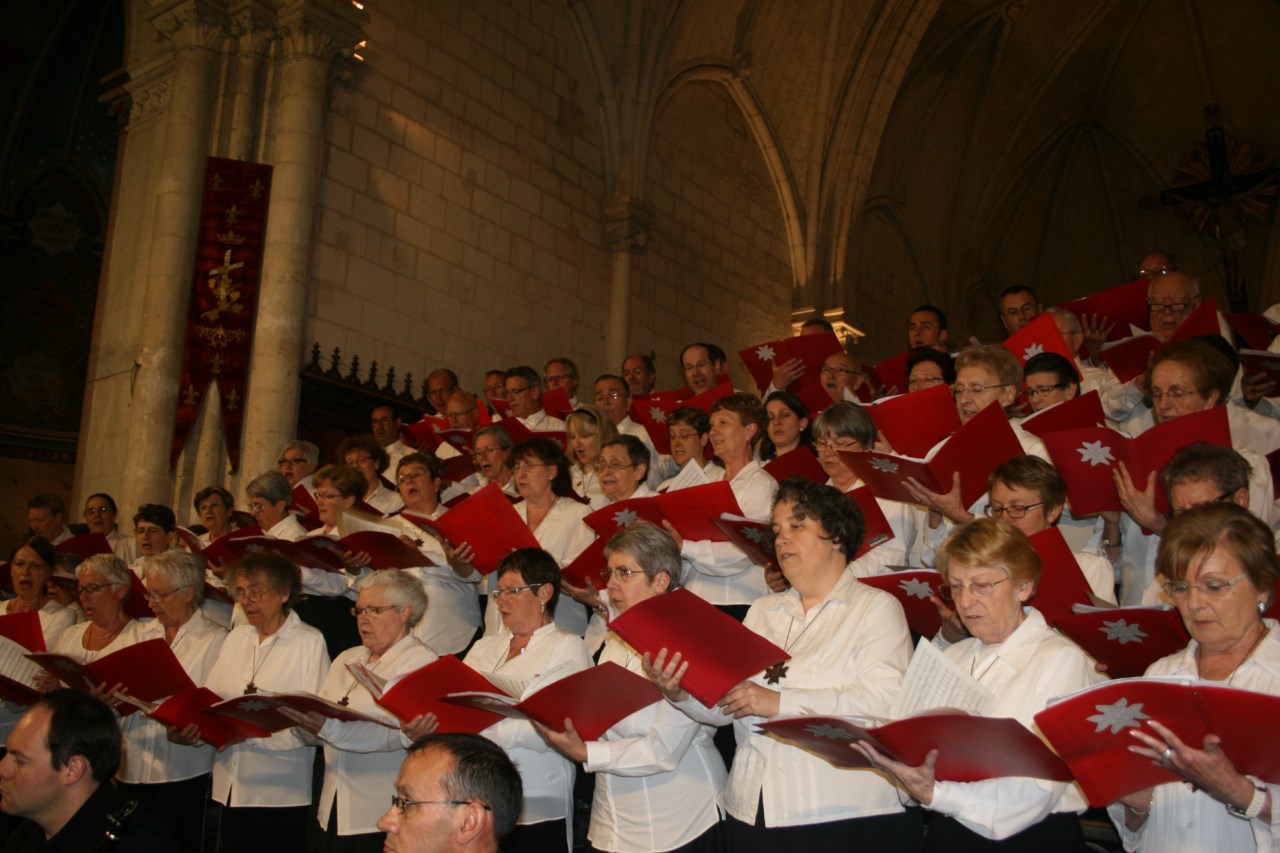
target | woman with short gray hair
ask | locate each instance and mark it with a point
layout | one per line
(359, 757)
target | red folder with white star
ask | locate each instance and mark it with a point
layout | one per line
(970, 748)
(1085, 457)
(1040, 335)
(813, 350)
(1126, 639)
(1090, 730)
(912, 588)
(914, 423)
(1082, 411)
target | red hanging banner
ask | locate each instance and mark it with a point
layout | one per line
(224, 297)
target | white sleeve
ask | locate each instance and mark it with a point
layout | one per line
(997, 808)
(658, 751)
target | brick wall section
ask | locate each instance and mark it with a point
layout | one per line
(460, 208)
(716, 267)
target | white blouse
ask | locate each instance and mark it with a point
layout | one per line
(547, 776)
(719, 572)
(1185, 822)
(149, 755)
(848, 657)
(271, 772)
(659, 778)
(453, 608)
(361, 759)
(1033, 665)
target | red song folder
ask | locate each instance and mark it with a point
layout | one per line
(595, 699)
(799, 462)
(691, 511)
(1090, 730)
(912, 588)
(813, 350)
(263, 710)
(1062, 584)
(24, 629)
(977, 447)
(914, 423)
(1082, 411)
(1126, 639)
(721, 652)
(148, 670)
(753, 538)
(1085, 457)
(876, 527)
(423, 690)
(1040, 335)
(1122, 306)
(970, 748)
(192, 708)
(584, 570)
(489, 524)
(85, 545)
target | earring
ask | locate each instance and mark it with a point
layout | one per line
(1262, 607)
(543, 605)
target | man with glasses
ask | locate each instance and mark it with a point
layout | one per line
(563, 373)
(703, 366)
(455, 792)
(441, 382)
(524, 394)
(461, 412)
(1019, 305)
(841, 377)
(613, 396)
(385, 423)
(639, 372)
(495, 387)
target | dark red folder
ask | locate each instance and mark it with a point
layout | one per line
(85, 545)
(721, 652)
(1062, 584)
(1077, 413)
(1126, 639)
(691, 511)
(192, 708)
(813, 350)
(912, 588)
(799, 462)
(148, 670)
(423, 692)
(1122, 306)
(489, 524)
(1040, 335)
(24, 629)
(914, 423)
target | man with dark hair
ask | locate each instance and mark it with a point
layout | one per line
(455, 792)
(927, 327)
(57, 774)
(639, 372)
(1019, 305)
(703, 365)
(441, 382)
(385, 423)
(47, 517)
(817, 326)
(524, 394)
(562, 372)
(153, 529)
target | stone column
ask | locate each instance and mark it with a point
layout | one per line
(251, 25)
(626, 223)
(312, 33)
(194, 28)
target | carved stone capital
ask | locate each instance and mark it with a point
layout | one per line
(320, 28)
(252, 25)
(189, 23)
(627, 223)
(148, 93)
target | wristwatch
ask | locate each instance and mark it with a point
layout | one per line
(1255, 805)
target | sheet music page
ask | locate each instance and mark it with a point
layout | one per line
(934, 681)
(14, 663)
(352, 521)
(690, 475)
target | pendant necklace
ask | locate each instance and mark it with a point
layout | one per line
(252, 687)
(778, 671)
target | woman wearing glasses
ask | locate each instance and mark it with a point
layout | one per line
(359, 757)
(989, 570)
(264, 784)
(170, 776)
(363, 453)
(1219, 561)
(100, 514)
(658, 777)
(847, 426)
(491, 450)
(103, 587)
(527, 654)
(451, 621)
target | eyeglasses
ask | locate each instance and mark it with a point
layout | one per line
(97, 510)
(698, 365)
(683, 436)
(1173, 306)
(455, 415)
(326, 496)
(441, 392)
(93, 588)
(615, 467)
(157, 595)
(373, 610)
(495, 387)
(849, 444)
(385, 419)
(28, 564)
(253, 593)
(840, 370)
(924, 381)
(148, 531)
(353, 461)
(400, 803)
(623, 574)
(1173, 394)
(256, 508)
(527, 466)
(284, 460)
(1150, 271)
(519, 390)
(559, 377)
(509, 591)
(609, 397)
(975, 389)
(1012, 510)
(488, 451)
(982, 589)
(1209, 589)
(410, 476)
(1219, 499)
(1042, 390)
